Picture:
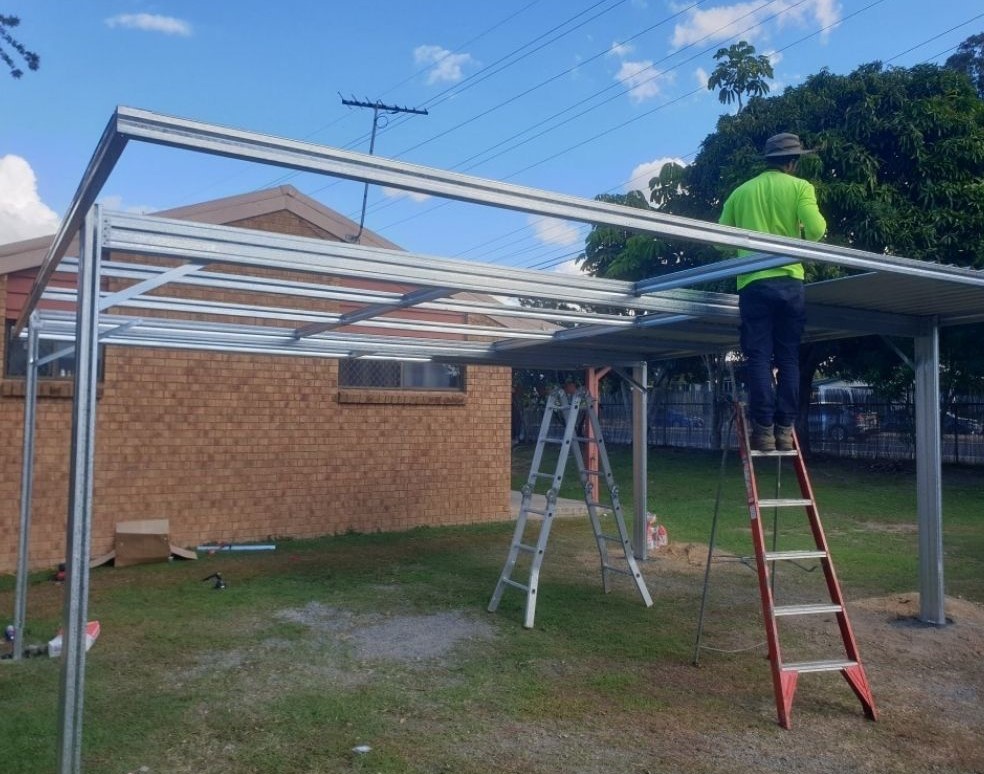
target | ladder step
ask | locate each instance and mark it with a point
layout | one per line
(610, 538)
(585, 439)
(537, 511)
(807, 609)
(526, 547)
(792, 453)
(834, 665)
(544, 475)
(776, 556)
(515, 584)
(784, 502)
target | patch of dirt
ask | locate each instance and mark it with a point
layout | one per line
(403, 638)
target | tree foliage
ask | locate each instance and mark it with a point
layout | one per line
(8, 42)
(900, 170)
(740, 72)
(969, 60)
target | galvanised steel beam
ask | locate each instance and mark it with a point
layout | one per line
(104, 158)
(27, 485)
(327, 320)
(350, 318)
(208, 243)
(79, 526)
(216, 337)
(241, 283)
(143, 332)
(929, 503)
(251, 146)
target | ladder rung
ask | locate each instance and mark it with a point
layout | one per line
(775, 556)
(792, 453)
(807, 609)
(593, 504)
(592, 471)
(834, 665)
(610, 538)
(544, 475)
(784, 502)
(526, 547)
(537, 511)
(515, 584)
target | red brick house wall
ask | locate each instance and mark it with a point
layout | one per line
(233, 447)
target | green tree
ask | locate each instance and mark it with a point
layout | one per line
(8, 42)
(900, 170)
(740, 72)
(969, 60)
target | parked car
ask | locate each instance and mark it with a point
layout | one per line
(838, 422)
(665, 416)
(897, 420)
(951, 424)
(902, 421)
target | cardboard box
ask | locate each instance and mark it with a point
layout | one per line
(145, 541)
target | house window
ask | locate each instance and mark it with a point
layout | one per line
(398, 375)
(15, 360)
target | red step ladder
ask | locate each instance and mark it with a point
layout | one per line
(786, 673)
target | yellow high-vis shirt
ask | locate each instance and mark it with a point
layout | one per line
(775, 202)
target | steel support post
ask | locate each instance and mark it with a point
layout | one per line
(640, 461)
(27, 486)
(74, 616)
(929, 457)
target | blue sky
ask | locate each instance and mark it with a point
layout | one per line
(576, 97)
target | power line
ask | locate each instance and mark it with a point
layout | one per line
(482, 74)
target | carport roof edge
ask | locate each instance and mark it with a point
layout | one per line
(129, 123)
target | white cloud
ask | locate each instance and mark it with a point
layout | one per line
(115, 202)
(641, 79)
(399, 193)
(568, 267)
(644, 172)
(726, 21)
(555, 232)
(702, 77)
(22, 213)
(149, 22)
(621, 50)
(448, 67)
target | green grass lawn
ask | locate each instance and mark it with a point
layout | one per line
(285, 670)
(868, 511)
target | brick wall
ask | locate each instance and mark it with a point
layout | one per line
(235, 447)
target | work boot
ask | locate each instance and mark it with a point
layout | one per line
(763, 437)
(784, 438)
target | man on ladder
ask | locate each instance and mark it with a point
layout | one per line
(771, 301)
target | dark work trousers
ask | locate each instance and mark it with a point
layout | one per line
(772, 319)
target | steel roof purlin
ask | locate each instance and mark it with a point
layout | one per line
(434, 279)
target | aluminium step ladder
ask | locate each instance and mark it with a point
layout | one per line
(573, 411)
(786, 673)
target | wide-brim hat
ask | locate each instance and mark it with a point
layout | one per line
(785, 144)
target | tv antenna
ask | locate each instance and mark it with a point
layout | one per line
(379, 110)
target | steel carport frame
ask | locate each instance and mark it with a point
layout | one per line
(660, 317)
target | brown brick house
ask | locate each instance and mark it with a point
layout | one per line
(235, 447)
